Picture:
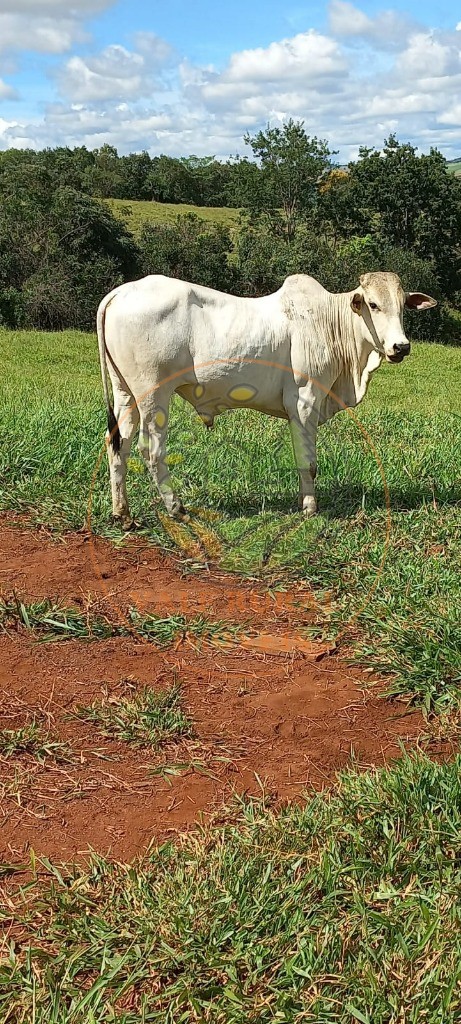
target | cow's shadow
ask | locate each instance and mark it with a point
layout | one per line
(345, 501)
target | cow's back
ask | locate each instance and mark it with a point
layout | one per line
(161, 324)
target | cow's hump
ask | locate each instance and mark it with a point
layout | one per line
(300, 294)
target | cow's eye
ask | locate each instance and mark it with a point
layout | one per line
(373, 305)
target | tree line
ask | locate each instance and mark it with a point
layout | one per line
(61, 249)
(103, 174)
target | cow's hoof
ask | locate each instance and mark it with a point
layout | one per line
(125, 523)
(309, 508)
(180, 513)
(129, 525)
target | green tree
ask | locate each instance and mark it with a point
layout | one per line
(293, 166)
(135, 173)
(412, 202)
(171, 181)
(60, 251)
(190, 249)
(339, 214)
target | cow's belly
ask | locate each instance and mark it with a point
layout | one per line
(214, 398)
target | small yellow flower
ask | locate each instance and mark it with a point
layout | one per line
(174, 459)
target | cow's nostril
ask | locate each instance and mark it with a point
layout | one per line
(401, 349)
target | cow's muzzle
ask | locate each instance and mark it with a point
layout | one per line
(399, 353)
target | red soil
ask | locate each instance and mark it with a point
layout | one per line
(284, 721)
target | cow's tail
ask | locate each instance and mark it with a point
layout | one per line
(112, 425)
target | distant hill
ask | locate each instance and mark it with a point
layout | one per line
(454, 166)
(136, 212)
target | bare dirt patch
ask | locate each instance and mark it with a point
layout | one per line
(283, 721)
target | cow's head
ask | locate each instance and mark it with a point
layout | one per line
(380, 301)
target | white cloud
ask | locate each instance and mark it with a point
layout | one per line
(46, 26)
(451, 116)
(253, 78)
(305, 55)
(430, 53)
(115, 74)
(45, 35)
(389, 29)
(39, 8)
(158, 51)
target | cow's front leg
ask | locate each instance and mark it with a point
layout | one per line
(152, 446)
(303, 427)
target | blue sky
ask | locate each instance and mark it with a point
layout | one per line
(192, 77)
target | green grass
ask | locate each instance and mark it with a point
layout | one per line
(401, 614)
(344, 910)
(32, 739)
(146, 718)
(135, 213)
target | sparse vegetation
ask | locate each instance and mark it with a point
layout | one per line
(34, 740)
(51, 621)
(198, 630)
(145, 717)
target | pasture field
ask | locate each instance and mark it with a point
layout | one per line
(340, 907)
(136, 212)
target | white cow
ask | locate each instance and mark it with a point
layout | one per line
(302, 354)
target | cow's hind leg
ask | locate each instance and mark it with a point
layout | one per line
(152, 445)
(118, 449)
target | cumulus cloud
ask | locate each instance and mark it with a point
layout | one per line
(452, 116)
(153, 47)
(428, 53)
(44, 35)
(149, 96)
(254, 78)
(305, 55)
(115, 74)
(389, 29)
(46, 26)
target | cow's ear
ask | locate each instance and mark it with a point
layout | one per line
(357, 302)
(417, 300)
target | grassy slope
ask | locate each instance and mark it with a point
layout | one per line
(240, 482)
(136, 212)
